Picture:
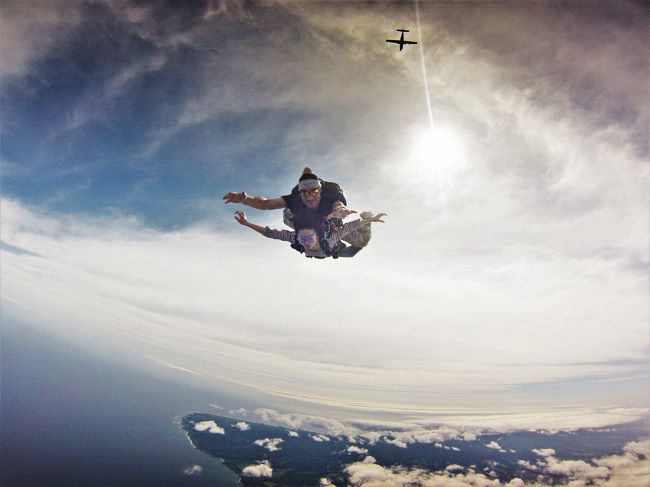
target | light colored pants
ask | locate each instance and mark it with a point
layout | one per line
(359, 238)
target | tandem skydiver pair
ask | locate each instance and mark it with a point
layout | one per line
(315, 210)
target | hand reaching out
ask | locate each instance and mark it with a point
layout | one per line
(340, 212)
(240, 216)
(233, 197)
(378, 218)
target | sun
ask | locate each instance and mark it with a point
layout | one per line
(439, 152)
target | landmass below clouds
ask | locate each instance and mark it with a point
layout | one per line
(481, 462)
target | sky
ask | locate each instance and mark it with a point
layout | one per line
(509, 285)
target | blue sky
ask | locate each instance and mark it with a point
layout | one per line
(509, 149)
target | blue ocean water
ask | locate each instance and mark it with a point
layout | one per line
(70, 419)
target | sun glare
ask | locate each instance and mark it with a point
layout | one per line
(436, 159)
(438, 151)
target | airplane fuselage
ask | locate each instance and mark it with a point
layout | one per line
(401, 40)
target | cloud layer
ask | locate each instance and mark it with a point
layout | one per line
(103, 277)
(630, 469)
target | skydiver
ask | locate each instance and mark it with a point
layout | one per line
(311, 193)
(311, 235)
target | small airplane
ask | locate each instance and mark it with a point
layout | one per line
(401, 40)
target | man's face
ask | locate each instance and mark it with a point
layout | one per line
(308, 238)
(311, 198)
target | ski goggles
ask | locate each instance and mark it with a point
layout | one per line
(307, 240)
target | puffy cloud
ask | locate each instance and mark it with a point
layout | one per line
(369, 474)
(294, 434)
(361, 473)
(325, 482)
(576, 469)
(271, 444)
(243, 425)
(395, 441)
(632, 468)
(544, 452)
(260, 470)
(193, 470)
(356, 449)
(493, 445)
(526, 464)
(320, 438)
(210, 427)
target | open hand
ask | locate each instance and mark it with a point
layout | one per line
(233, 197)
(340, 212)
(240, 216)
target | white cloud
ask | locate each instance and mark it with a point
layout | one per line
(495, 446)
(293, 434)
(395, 441)
(112, 266)
(300, 421)
(260, 470)
(544, 452)
(271, 444)
(210, 427)
(632, 468)
(369, 474)
(356, 449)
(242, 425)
(193, 470)
(320, 438)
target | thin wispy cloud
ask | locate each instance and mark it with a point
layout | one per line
(112, 266)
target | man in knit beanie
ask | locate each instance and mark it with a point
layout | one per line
(311, 193)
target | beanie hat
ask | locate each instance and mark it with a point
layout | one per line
(308, 181)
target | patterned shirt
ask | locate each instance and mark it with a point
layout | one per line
(333, 238)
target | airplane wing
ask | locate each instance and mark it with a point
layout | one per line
(409, 42)
(393, 40)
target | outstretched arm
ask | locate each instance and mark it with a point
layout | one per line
(285, 235)
(259, 202)
(240, 216)
(354, 225)
(339, 210)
